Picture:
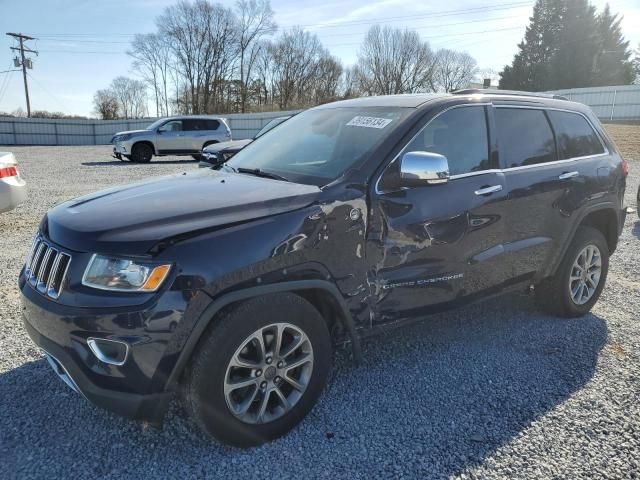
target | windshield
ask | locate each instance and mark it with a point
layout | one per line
(273, 123)
(317, 146)
(156, 124)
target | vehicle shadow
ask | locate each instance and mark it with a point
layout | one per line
(435, 398)
(127, 163)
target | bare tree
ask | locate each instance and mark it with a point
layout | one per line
(144, 50)
(326, 81)
(255, 20)
(392, 61)
(152, 59)
(204, 41)
(264, 73)
(454, 70)
(295, 57)
(105, 104)
(131, 96)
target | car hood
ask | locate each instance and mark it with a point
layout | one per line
(230, 145)
(133, 218)
(131, 132)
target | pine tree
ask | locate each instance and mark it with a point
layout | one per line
(567, 45)
(577, 44)
(612, 64)
(529, 70)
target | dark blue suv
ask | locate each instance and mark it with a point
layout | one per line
(230, 287)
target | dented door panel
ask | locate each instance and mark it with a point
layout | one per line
(435, 244)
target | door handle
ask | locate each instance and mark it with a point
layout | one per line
(488, 190)
(567, 175)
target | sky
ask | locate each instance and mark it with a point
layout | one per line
(82, 43)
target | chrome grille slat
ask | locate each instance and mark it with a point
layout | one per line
(36, 249)
(43, 267)
(46, 268)
(54, 269)
(35, 264)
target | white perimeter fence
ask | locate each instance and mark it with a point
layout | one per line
(617, 104)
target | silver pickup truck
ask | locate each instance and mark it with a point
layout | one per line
(171, 136)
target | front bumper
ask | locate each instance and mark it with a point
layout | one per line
(138, 389)
(120, 148)
(149, 407)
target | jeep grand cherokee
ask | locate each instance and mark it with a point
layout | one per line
(347, 218)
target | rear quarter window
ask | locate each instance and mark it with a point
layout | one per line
(525, 137)
(575, 136)
(212, 124)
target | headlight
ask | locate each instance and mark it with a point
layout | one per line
(122, 275)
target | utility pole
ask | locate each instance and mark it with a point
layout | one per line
(24, 62)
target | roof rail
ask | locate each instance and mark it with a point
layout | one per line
(475, 91)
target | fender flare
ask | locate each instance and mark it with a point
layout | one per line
(608, 205)
(219, 303)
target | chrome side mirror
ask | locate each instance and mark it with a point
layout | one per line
(423, 168)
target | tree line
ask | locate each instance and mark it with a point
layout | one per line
(568, 44)
(208, 58)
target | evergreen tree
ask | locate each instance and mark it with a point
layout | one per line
(577, 44)
(530, 66)
(612, 64)
(567, 45)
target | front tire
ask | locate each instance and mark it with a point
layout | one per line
(259, 370)
(141, 153)
(580, 278)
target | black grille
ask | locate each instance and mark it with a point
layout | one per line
(46, 268)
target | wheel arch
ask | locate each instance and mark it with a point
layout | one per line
(323, 295)
(603, 217)
(146, 142)
(209, 142)
(606, 221)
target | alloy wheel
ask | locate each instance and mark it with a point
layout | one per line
(268, 373)
(585, 274)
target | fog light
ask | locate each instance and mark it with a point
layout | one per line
(112, 352)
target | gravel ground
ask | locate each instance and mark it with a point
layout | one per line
(494, 390)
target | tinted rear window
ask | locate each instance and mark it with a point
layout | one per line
(212, 124)
(575, 136)
(525, 137)
(194, 124)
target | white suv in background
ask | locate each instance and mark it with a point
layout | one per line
(171, 136)
(13, 189)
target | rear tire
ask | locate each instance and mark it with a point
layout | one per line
(580, 278)
(141, 153)
(278, 394)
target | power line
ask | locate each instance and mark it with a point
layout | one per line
(42, 87)
(5, 81)
(46, 38)
(84, 51)
(449, 13)
(371, 21)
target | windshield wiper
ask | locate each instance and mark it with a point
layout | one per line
(261, 173)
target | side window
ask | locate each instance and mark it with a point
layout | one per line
(459, 134)
(194, 124)
(575, 136)
(172, 126)
(525, 137)
(212, 124)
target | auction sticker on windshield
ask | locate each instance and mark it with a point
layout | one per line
(369, 122)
